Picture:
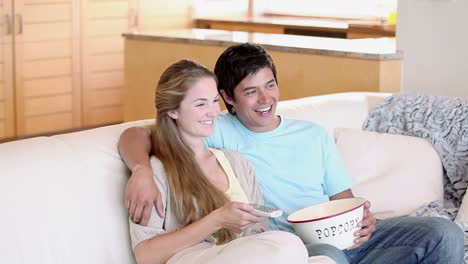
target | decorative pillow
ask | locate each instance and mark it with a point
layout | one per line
(396, 173)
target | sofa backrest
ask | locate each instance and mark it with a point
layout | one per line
(333, 110)
(62, 199)
(62, 196)
(380, 165)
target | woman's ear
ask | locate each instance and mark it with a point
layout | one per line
(173, 114)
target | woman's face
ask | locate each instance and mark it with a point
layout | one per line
(197, 113)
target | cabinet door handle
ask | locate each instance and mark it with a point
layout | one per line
(133, 18)
(136, 19)
(9, 24)
(20, 23)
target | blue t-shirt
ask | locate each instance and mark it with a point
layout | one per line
(297, 164)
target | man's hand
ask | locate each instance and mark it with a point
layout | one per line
(140, 194)
(135, 147)
(368, 227)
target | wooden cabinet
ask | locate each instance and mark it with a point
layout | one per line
(103, 49)
(62, 61)
(239, 26)
(39, 67)
(102, 60)
(371, 31)
(300, 74)
(7, 118)
(47, 66)
(314, 27)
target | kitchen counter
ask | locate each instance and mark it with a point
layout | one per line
(323, 27)
(306, 66)
(373, 49)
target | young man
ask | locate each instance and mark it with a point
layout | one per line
(297, 165)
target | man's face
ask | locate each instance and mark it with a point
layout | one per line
(255, 99)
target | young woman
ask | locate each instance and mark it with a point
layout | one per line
(205, 192)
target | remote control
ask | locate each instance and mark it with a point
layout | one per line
(262, 210)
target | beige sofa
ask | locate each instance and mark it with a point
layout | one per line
(62, 196)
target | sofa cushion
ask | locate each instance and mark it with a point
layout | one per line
(62, 199)
(46, 215)
(332, 110)
(398, 174)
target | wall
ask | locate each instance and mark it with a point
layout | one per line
(432, 35)
(163, 15)
(223, 8)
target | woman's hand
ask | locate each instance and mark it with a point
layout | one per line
(235, 216)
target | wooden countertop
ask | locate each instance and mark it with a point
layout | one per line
(284, 22)
(324, 24)
(370, 49)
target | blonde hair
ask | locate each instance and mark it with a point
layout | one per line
(193, 196)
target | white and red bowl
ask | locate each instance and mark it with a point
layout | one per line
(332, 222)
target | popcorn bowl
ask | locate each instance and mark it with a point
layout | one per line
(333, 222)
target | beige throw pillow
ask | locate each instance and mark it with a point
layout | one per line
(398, 174)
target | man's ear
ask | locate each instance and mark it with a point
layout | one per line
(173, 114)
(226, 97)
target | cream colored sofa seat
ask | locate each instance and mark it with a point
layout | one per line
(62, 196)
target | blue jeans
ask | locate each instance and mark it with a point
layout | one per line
(404, 240)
